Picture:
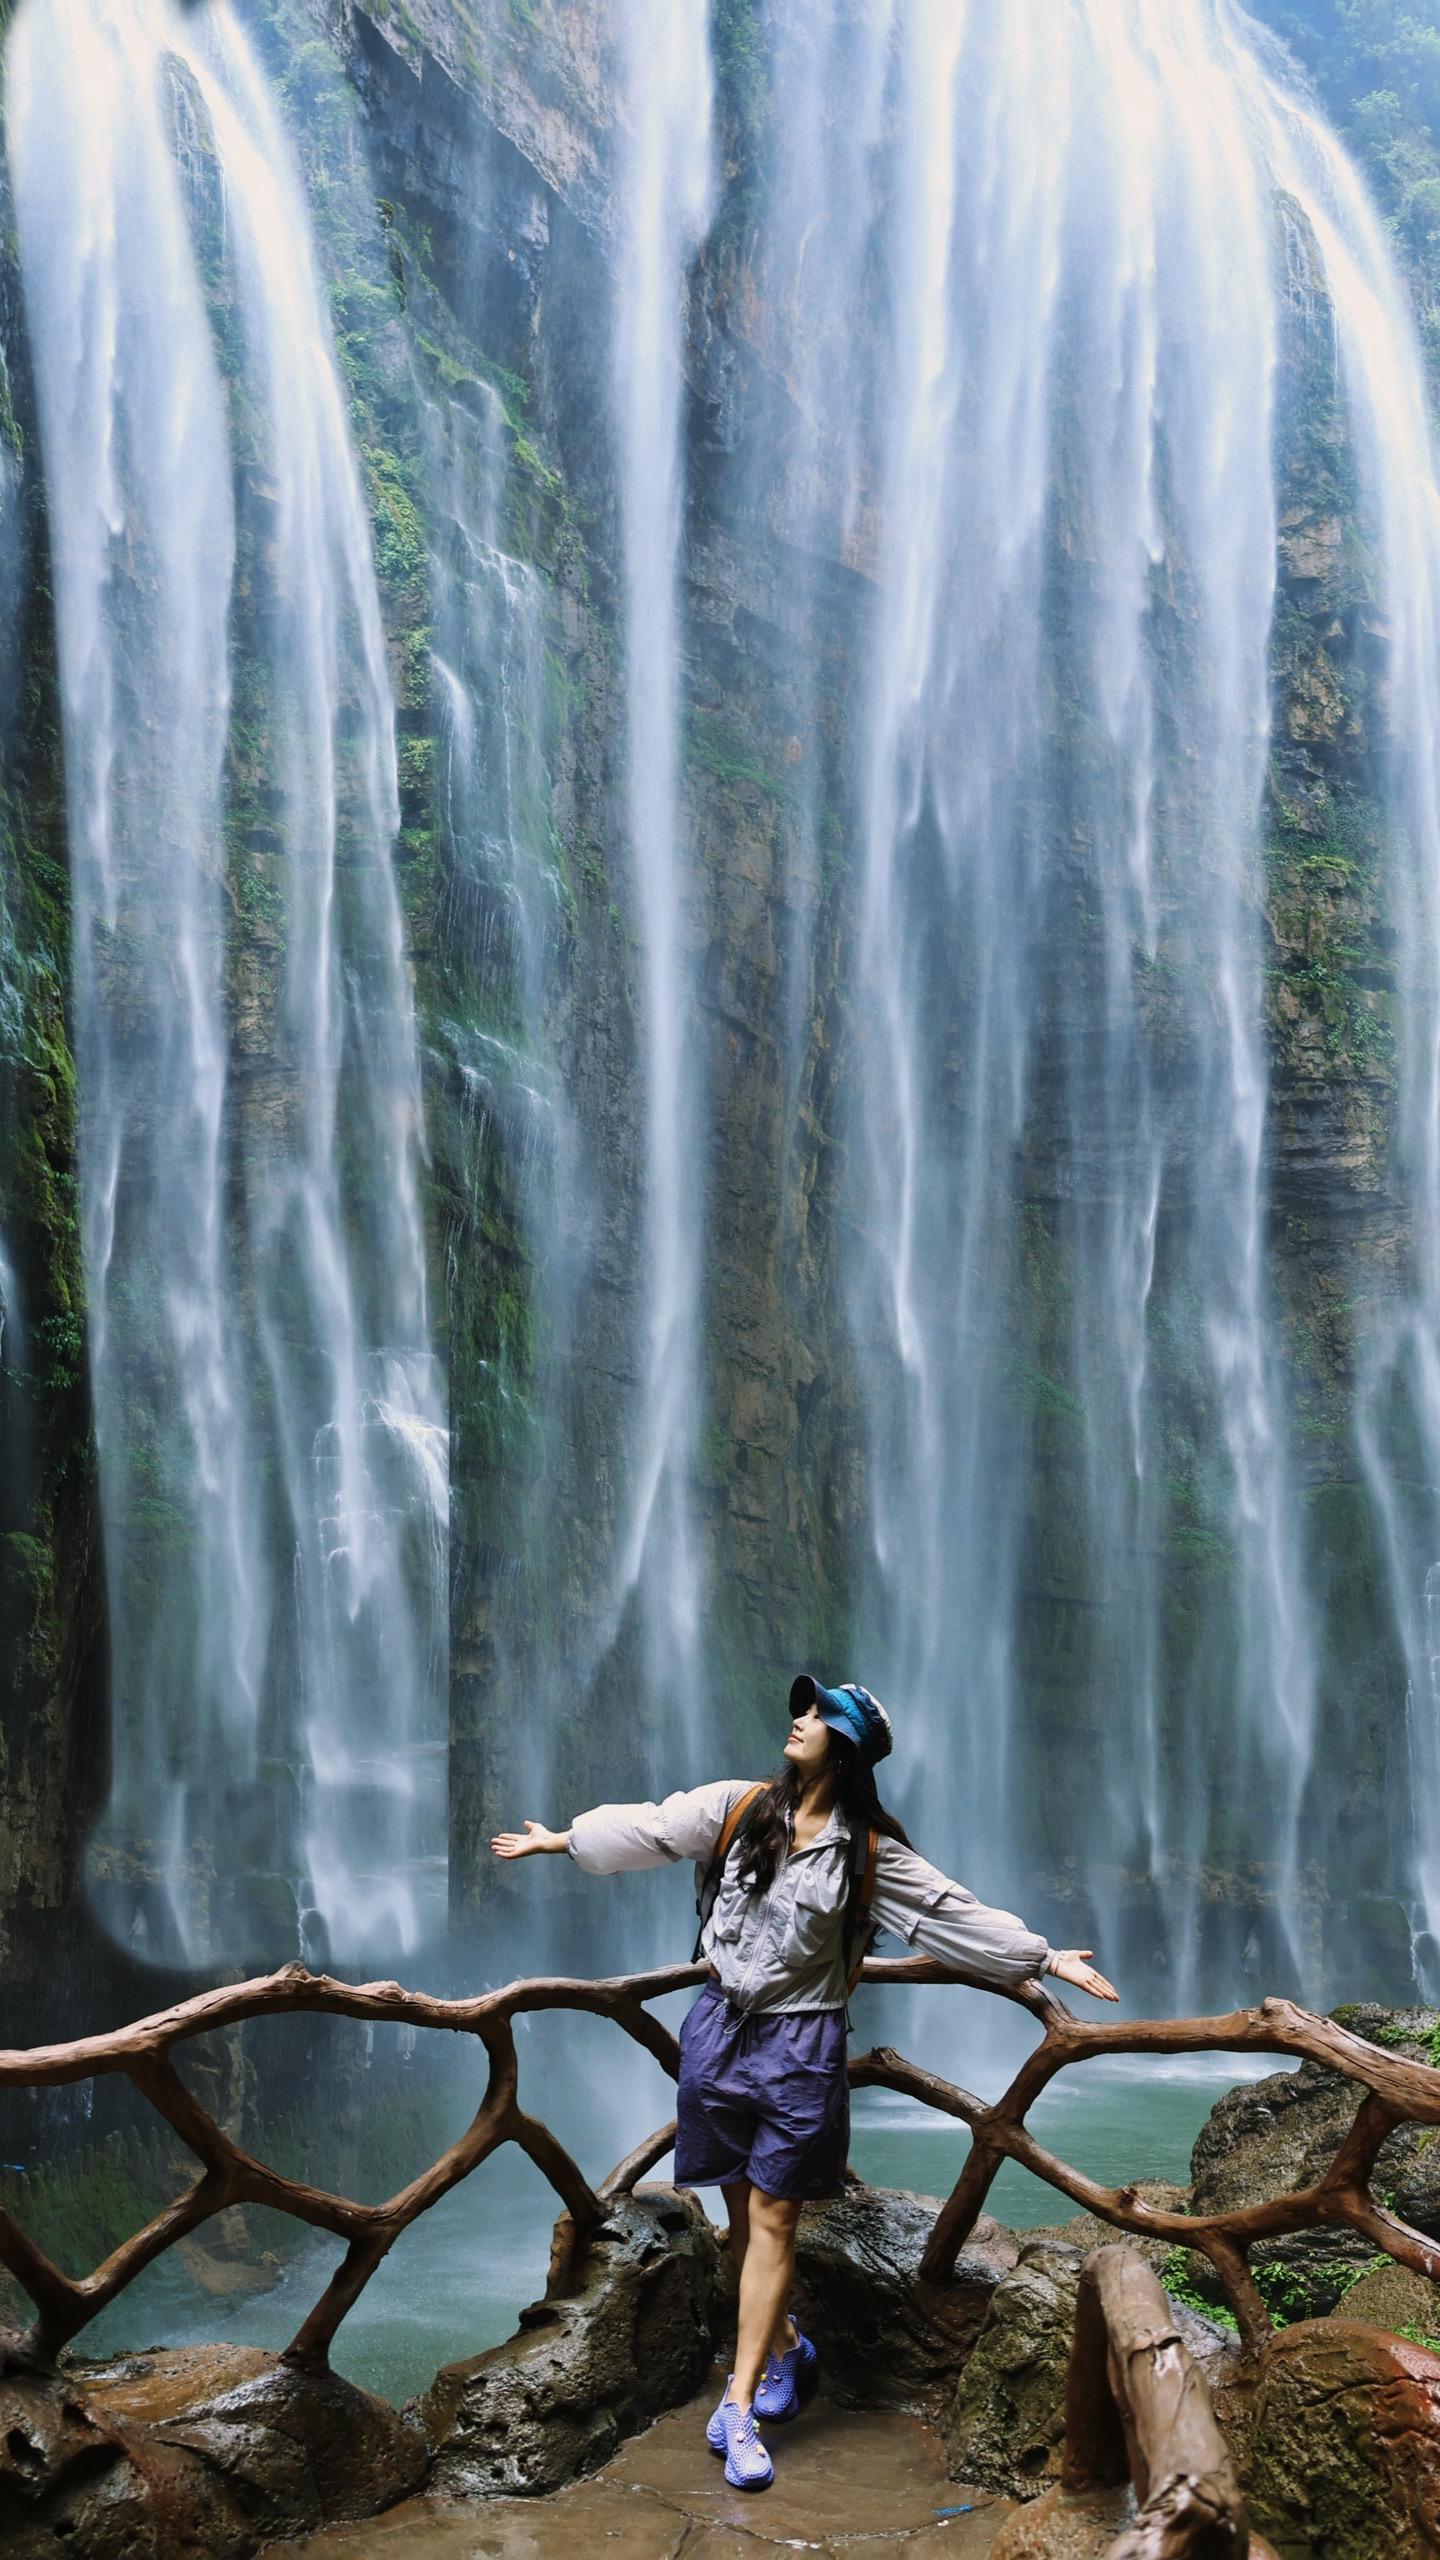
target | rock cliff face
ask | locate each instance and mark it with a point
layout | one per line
(52, 1697)
(474, 321)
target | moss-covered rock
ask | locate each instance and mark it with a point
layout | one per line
(1344, 2445)
(1395, 2298)
(1007, 2424)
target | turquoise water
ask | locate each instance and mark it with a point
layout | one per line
(452, 2285)
(1105, 2119)
(457, 2278)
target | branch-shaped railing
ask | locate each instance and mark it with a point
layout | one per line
(1137, 2411)
(1396, 2092)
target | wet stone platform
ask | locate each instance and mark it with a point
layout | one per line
(847, 2482)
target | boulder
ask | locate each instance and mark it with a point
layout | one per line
(1065, 2527)
(1344, 2444)
(1007, 2420)
(1394, 2298)
(629, 2332)
(891, 2342)
(211, 2450)
(1282, 2132)
(295, 2449)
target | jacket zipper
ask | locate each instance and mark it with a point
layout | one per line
(766, 1923)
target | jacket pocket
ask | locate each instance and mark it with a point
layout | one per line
(813, 1928)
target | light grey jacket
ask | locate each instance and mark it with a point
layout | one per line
(784, 1949)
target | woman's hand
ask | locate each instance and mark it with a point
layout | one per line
(533, 1842)
(1072, 1964)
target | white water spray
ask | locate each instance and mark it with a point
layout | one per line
(267, 1410)
(665, 195)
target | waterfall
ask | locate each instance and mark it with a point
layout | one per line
(949, 398)
(268, 1416)
(665, 194)
(1397, 1404)
(1029, 290)
(1064, 505)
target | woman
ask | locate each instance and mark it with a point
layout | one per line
(763, 2104)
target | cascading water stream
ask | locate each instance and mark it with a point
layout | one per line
(1053, 454)
(665, 196)
(1058, 797)
(268, 1416)
(1397, 1405)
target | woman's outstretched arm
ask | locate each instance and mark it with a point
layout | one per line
(940, 1918)
(617, 1839)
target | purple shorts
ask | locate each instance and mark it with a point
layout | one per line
(764, 2098)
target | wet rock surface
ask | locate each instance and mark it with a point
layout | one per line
(844, 2482)
(1344, 2452)
(891, 2342)
(585, 2370)
(1007, 2420)
(585, 2429)
(1008, 2415)
(203, 2449)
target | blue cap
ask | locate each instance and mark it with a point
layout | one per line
(849, 1710)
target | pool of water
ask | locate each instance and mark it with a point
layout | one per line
(452, 2285)
(1112, 2120)
(456, 2280)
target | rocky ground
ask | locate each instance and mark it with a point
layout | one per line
(847, 2482)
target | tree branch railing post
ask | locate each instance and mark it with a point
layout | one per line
(1138, 2410)
(1393, 2092)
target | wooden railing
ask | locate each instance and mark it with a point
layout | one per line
(1137, 2413)
(1395, 2092)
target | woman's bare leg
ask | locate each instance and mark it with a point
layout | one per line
(766, 2276)
(737, 2207)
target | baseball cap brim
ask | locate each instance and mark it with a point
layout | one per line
(844, 1714)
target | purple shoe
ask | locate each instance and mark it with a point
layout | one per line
(735, 2434)
(786, 2378)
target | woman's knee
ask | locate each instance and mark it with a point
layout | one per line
(777, 2215)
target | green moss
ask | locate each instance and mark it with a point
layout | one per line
(719, 751)
(402, 554)
(1426, 2047)
(1303, 2292)
(78, 2210)
(742, 93)
(1290, 2291)
(1179, 2283)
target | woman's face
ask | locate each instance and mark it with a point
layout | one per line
(808, 1747)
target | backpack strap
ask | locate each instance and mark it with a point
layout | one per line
(858, 1932)
(710, 1881)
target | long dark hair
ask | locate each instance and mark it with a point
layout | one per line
(765, 1832)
